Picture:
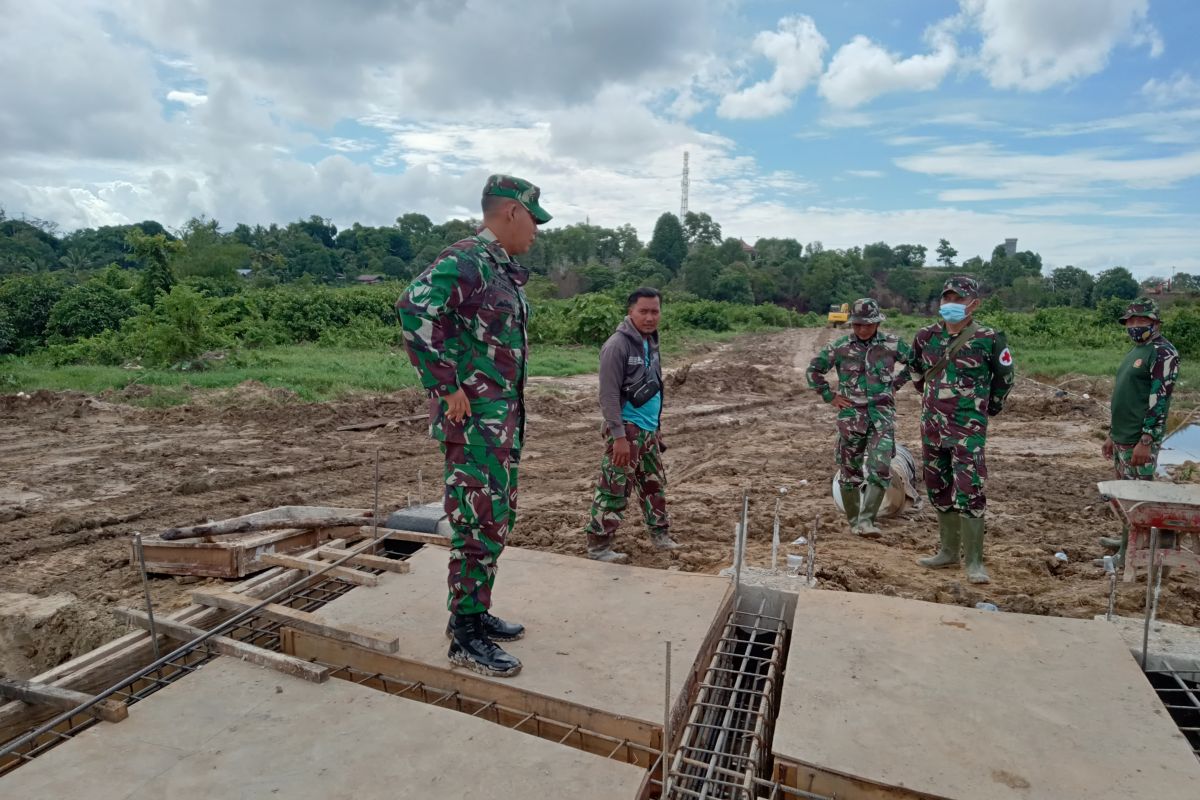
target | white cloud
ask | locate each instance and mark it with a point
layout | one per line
(1180, 87)
(1035, 175)
(866, 173)
(797, 50)
(862, 70)
(189, 99)
(1036, 44)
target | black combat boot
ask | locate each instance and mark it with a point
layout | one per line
(470, 647)
(495, 628)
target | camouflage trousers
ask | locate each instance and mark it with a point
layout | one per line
(864, 440)
(481, 506)
(954, 475)
(1123, 463)
(645, 473)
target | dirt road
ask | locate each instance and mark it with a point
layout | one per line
(79, 475)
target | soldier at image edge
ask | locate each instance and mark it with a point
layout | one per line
(865, 362)
(1141, 401)
(965, 371)
(465, 323)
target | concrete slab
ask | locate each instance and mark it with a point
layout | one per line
(973, 705)
(282, 737)
(595, 631)
(1172, 647)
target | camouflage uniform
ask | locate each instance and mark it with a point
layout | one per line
(1142, 396)
(464, 320)
(1141, 401)
(645, 472)
(866, 430)
(956, 405)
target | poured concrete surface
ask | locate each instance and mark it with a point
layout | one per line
(594, 632)
(974, 705)
(239, 732)
(1172, 647)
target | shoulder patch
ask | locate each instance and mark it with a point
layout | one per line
(1006, 357)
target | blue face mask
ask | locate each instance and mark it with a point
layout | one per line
(953, 312)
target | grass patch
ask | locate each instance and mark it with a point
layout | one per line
(314, 373)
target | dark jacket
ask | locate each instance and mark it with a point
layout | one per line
(622, 367)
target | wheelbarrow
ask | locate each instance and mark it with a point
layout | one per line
(1172, 510)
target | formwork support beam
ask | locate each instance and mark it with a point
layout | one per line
(301, 620)
(39, 694)
(289, 665)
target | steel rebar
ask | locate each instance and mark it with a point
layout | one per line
(375, 508)
(1149, 593)
(137, 544)
(158, 663)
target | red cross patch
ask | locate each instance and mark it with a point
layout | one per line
(1006, 357)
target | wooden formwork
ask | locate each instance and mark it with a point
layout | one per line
(230, 556)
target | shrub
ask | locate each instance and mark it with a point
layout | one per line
(88, 309)
(28, 301)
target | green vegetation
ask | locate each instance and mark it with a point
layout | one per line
(297, 306)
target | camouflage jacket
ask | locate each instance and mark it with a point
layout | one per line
(1141, 397)
(865, 370)
(958, 401)
(464, 321)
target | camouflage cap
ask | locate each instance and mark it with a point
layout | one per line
(1142, 307)
(962, 285)
(865, 311)
(520, 190)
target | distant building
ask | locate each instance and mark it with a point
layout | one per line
(245, 273)
(748, 251)
(369, 279)
(1010, 247)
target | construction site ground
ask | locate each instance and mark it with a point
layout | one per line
(81, 474)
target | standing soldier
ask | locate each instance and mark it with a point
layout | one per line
(966, 370)
(464, 321)
(1141, 400)
(631, 401)
(865, 362)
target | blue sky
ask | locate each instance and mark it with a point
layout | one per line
(1071, 125)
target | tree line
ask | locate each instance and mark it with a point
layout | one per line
(690, 257)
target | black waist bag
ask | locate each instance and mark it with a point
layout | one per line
(644, 390)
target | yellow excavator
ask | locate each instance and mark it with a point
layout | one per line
(838, 315)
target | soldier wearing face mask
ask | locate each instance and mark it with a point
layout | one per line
(1141, 400)
(964, 371)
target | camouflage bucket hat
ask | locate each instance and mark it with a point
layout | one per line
(520, 190)
(865, 311)
(962, 285)
(1142, 307)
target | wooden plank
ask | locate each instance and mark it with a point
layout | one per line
(365, 560)
(311, 565)
(302, 620)
(832, 784)
(308, 645)
(98, 669)
(242, 525)
(61, 699)
(314, 673)
(407, 536)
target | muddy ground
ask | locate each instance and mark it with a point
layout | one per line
(79, 475)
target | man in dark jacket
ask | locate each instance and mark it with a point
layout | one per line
(631, 402)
